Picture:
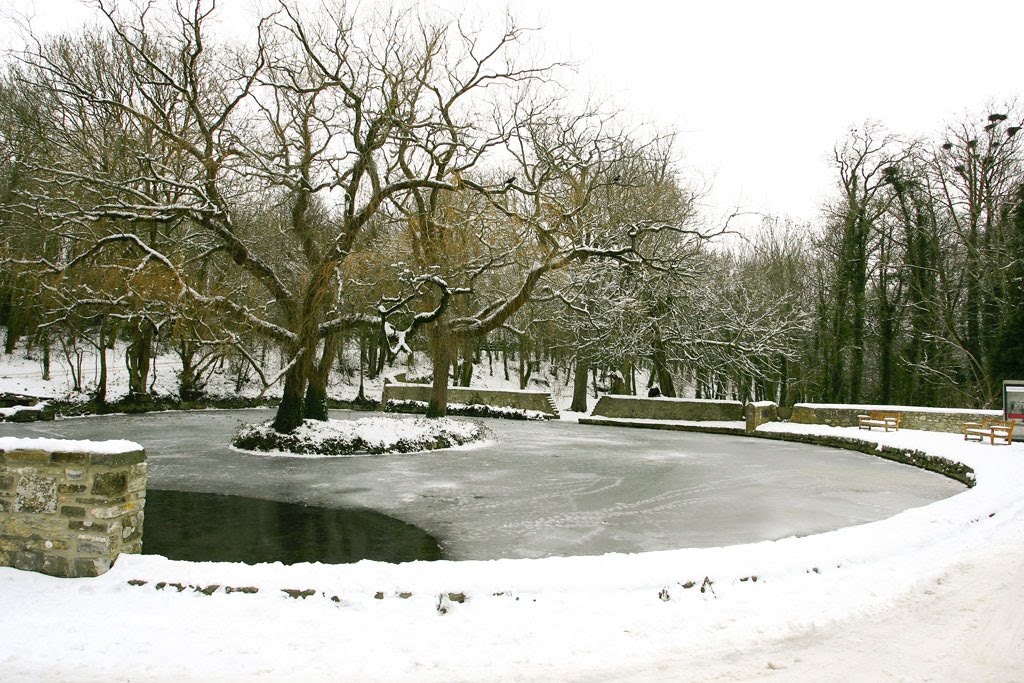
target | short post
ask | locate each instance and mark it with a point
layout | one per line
(69, 508)
(756, 413)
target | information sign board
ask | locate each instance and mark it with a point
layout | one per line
(1013, 399)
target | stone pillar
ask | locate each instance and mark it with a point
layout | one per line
(68, 508)
(759, 412)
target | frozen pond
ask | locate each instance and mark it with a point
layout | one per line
(543, 488)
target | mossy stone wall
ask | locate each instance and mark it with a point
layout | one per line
(70, 514)
(931, 420)
(698, 410)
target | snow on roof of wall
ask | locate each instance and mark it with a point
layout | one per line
(674, 399)
(12, 443)
(898, 409)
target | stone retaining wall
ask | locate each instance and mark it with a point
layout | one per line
(927, 419)
(539, 401)
(667, 408)
(69, 513)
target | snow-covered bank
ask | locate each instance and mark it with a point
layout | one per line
(588, 618)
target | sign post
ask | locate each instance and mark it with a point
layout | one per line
(1013, 399)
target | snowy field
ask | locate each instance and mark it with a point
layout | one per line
(937, 588)
(931, 594)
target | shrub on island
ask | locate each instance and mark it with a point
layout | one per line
(367, 436)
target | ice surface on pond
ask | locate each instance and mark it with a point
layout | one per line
(544, 489)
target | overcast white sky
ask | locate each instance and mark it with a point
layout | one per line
(760, 91)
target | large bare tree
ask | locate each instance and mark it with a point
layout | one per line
(265, 161)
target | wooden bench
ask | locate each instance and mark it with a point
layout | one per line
(992, 428)
(879, 418)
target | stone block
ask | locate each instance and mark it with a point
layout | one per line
(55, 565)
(109, 483)
(71, 458)
(35, 493)
(125, 459)
(113, 511)
(6, 482)
(85, 567)
(21, 457)
(27, 560)
(94, 545)
(72, 511)
(131, 528)
(74, 474)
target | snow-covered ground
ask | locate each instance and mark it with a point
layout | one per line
(931, 594)
(938, 587)
(21, 374)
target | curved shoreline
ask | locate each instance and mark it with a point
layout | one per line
(602, 617)
(907, 456)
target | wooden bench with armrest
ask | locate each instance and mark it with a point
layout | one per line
(990, 428)
(879, 418)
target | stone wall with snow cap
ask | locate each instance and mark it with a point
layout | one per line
(696, 409)
(69, 508)
(539, 401)
(926, 419)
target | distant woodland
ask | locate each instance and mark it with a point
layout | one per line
(342, 188)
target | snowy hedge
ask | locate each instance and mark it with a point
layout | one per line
(469, 410)
(367, 436)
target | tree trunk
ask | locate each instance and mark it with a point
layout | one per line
(315, 404)
(361, 396)
(100, 395)
(14, 329)
(46, 357)
(466, 369)
(886, 355)
(372, 346)
(525, 366)
(784, 382)
(661, 371)
(579, 387)
(289, 412)
(857, 352)
(188, 388)
(441, 342)
(137, 360)
(618, 383)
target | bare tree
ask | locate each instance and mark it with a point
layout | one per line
(264, 163)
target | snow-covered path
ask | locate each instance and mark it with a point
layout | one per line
(933, 593)
(967, 624)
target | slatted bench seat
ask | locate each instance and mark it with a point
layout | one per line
(879, 418)
(991, 429)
